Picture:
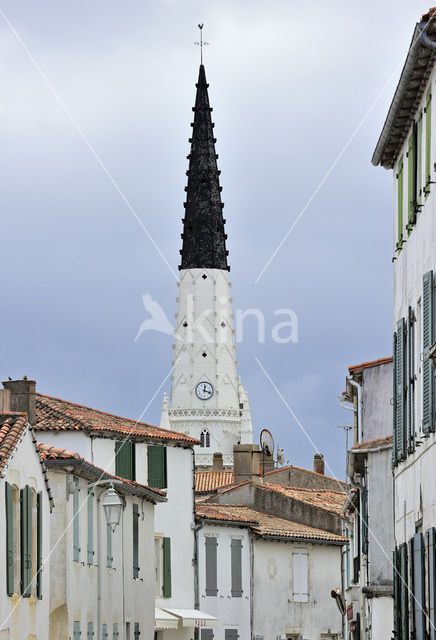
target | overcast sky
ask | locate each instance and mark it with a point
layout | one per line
(290, 83)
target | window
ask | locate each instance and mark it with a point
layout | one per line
(125, 459)
(104, 632)
(300, 575)
(166, 549)
(76, 537)
(400, 204)
(158, 567)
(109, 557)
(76, 630)
(419, 585)
(211, 565)
(135, 541)
(428, 143)
(157, 466)
(400, 378)
(207, 634)
(162, 564)
(356, 548)
(205, 438)
(90, 545)
(236, 569)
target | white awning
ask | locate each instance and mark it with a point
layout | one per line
(194, 618)
(164, 620)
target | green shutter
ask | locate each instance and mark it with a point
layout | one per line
(39, 544)
(419, 160)
(135, 541)
(109, 558)
(90, 545)
(9, 502)
(166, 546)
(26, 540)
(400, 392)
(428, 143)
(400, 204)
(411, 180)
(76, 531)
(157, 466)
(427, 341)
(76, 630)
(125, 459)
(404, 593)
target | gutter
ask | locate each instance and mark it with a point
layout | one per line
(336, 543)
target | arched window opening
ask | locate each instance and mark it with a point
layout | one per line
(205, 438)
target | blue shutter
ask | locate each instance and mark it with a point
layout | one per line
(236, 561)
(90, 545)
(211, 565)
(419, 585)
(135, 541)
(104, 633)
(427, 341)
(90, 631)
(431, 563)
(76, 532)
(76, 630)
(166, 550)
(109, 558)
(400, 391)
(115, 633)
(9, 503)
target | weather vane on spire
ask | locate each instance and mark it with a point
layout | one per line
(201, 42)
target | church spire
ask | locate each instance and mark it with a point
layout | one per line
(204, 239)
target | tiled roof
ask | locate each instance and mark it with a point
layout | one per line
(12, 427)
(54, 414)
(369, 364)
(208, 481)
(50, 453)
(264, 524)
(315, 473)
(374, 444)
(326, 499)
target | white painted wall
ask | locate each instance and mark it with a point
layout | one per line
(25, 616)
(382, 621)
(274, 611)
(231, 612)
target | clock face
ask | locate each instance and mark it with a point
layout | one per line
(204, 390)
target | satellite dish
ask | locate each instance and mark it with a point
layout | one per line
(267, 442)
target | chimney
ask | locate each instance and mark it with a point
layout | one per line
(217, 462)
(5, 400)
(23, 398)
(246, 462)
(318, 463)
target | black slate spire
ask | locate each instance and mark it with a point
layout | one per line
(204, 240)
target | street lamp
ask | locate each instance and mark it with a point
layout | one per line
(112, 505)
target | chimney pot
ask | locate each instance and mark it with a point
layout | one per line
(22, 397)
(217, 462)
(318, 463)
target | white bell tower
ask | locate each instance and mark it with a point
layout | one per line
(207, 399)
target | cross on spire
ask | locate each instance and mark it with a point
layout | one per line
(201, 42)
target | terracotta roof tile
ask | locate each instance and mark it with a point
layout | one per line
(315, 473)
(264, 524)
(55, 414)
(369, 364)
(208, 481)
(12, 427)
(374, 444)
(325, 499)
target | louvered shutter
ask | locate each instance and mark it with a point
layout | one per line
(76, 530)
(411, 589)
(76, 630)
(211, 545)
(410, 381)
(300, 576)
(90, 631)
(400, 395)
(419, 585)
(109, 558)
(396, 581)
(115, 632)
(9, 503)
(39, 544)
(236, 561)
(166, 550)
(135, 541)
(419, 160)
(411, 179)
(394, 397)
(125, 459)
(428, 141)
(231, 634)
(90, 545)
(427, 341)
(431, 563)
(26, 540)
(157, 466)
(207, 634)
(404, 593)
(136, 632)
(104, 632)
(400, 204)
(364, 515)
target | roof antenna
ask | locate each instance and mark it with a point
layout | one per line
(201, 42)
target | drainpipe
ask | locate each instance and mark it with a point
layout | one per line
(251, 542)
(196, 528)
(358, 386)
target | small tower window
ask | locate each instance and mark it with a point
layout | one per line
(204, 276)
(205, 438)
(204, 354)
(185, 324)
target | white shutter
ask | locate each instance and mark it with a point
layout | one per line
(300, 575)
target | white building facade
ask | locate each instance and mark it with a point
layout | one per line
(407, 145)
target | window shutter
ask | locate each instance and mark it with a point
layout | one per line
(394, 396)
(396, 581)
(431, 563)
(428, 141)
(400, 204)
(211, 545)
(136, 632)
(90, 545)
(207, 634)
(364, 515)
(76, 630)
(419, 160)
(236, 558)
(104, 633)
(125, 459)
(39, 544)
(109, 558)
(9, 503)
(166, 548)
(135, 541)
(231, 634)
(157, 466)
(400, 388)
(419, 585)
(115, 633)
(411, 381)
(404, 593)
(300, 576)
(26, 540)
(411, 179)
(90, 631)
(427, 341)
(76, 532)
(411, 589)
